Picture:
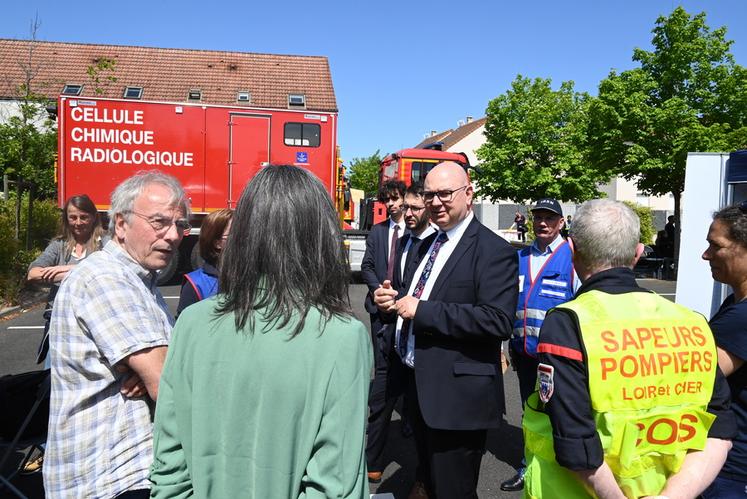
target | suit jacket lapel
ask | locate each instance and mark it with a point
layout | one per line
(467, 240)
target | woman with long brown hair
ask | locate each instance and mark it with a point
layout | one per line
(81, 235)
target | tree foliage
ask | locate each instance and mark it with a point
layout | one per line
(534, 148)
(364, 173)
(687, 95)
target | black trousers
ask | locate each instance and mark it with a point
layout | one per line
(387, 386)
(526, 371)
(448, 460)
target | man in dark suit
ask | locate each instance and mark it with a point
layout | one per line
(388, 385)
(458, 308)
(377, 266)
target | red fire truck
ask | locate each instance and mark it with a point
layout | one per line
(212, 150)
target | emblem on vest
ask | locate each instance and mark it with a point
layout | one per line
(546, 383)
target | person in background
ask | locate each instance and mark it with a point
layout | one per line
(203, 282)
(110, 325)
(670, 228)
(387, 388)
(264, 390)
(727, 256)
(546, 279)
(629, 401)
(82, 234)
(520, 222)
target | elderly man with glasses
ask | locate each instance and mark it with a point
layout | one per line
(108, 336)
(453, 314)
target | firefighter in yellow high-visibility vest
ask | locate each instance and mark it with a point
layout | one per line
(629, 399)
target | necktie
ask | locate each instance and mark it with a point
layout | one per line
(418, 291)
(392, 254)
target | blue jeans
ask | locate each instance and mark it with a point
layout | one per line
(726, 488)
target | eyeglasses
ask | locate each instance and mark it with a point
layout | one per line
(445, 195)
(162, 224)
(414, 209)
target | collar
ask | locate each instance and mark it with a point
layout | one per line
(550, 247)
(456, 232)
(119, 254)
(613, 281)
(429, 229)
(401, 225)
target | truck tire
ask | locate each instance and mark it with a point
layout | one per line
(167, 273)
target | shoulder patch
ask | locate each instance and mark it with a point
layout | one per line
(545, 379)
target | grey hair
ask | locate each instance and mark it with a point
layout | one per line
(605, 234)
(124, 196)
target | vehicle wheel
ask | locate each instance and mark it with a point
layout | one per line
(167, 273)
(194, 258)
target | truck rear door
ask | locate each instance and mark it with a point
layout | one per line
(249, 150)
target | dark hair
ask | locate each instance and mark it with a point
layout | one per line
(84, 204)
(734, 217)
(211, 230)
(285, 254)
(390, 188)
(415, 189)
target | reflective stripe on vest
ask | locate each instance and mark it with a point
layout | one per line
(650, 382)
(552, 286)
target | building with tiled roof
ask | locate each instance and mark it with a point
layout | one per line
(466, 138)
(163, 74)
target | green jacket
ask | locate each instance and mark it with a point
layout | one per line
(260, 415)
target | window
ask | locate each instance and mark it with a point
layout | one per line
(133, 92)
(194, 94)
(302, 134)
(72, 89)
(296, 100)
(419, 169)
(244, 97)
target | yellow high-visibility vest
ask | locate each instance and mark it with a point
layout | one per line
(652, 366)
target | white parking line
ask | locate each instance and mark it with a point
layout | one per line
(25, 327)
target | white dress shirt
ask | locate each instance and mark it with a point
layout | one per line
(455, 235)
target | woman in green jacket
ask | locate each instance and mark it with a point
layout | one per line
(264, 390)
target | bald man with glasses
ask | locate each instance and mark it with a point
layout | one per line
(453, 312)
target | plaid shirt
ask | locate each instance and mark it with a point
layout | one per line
(100, 443)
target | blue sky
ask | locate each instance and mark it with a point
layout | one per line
(400, 68)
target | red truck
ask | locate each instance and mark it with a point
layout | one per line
(213, 151)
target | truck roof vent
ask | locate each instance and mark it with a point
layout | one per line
(72, 89)
(194, 94)
(133, 92)
(297, 100)
(244, 97)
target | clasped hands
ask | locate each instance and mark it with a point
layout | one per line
(385, 297)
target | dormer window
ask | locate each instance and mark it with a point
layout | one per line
(72, 89)
(297, 100)
(133, 92)
(194, 94)
(244, 97)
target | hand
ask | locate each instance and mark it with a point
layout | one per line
(407, 306)
(385, 296)
(55, 273)
(132, 386)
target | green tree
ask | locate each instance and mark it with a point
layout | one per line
(534, 147)
(28, 138)
(364, 173)
(687, 95)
